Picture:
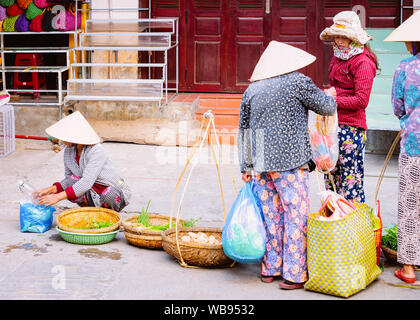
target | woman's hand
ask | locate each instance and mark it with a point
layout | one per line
(51, 199)
(331, 91)
(246, 177)
(45, 191)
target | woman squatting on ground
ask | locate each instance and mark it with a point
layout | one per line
(90, 178)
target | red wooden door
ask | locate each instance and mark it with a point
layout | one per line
(206, 45)
(170, 9)
(249, 34)
(294, 22)
(220, 41)
(225, 39)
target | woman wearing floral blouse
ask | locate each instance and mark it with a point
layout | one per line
(406, 104)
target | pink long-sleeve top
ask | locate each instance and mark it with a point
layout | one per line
(353, 79)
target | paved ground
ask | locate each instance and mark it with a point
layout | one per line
(32, 266)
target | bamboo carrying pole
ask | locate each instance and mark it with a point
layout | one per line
(207, 122)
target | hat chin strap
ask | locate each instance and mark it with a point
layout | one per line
(414, 48)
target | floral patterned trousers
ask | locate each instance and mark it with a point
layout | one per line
(349, 172)
(111, 198)
(284, 200)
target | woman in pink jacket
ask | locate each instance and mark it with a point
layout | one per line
(352, 70)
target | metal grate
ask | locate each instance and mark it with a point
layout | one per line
(338, 3)
(7, 130)
(292, 3)
(209, 4)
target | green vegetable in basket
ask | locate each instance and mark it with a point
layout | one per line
(389, 239)
(144, 216)
(375, 221)
(163, 227)
(93, 224)
(190, 223)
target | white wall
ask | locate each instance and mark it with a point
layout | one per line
(118, 4)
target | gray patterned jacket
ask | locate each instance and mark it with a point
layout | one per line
(94, 167)
(273, 122)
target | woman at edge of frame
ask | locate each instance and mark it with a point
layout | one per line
(405, 100)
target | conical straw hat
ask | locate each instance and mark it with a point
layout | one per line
(409, 31)
(280, 58)
(75, 129)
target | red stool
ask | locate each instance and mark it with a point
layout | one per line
(34, 80)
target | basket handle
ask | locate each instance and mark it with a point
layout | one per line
(388, 158)
(209, 118)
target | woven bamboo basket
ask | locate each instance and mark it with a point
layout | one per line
(193, 253)
(144, 241)
(390, 254)
(139, 236)
(72, 220)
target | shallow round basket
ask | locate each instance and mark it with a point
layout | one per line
(193, 253)
(144, 241)
(87, 238)
(72, 219)
(138, 235)
(390, 254)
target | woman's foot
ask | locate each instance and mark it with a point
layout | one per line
(404, 277)
(288, 285)
(269, 279)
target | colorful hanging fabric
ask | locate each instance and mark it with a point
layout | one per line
(14, 10)
(22, 24)
(9, 24)
(33, 11)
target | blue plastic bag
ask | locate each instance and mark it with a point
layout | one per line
(35, 218)
(244, 235)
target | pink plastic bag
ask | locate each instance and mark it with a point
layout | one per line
(334, 207)
(324, 140)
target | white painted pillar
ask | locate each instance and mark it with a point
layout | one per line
(416, 3)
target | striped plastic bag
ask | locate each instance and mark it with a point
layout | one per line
(341, 253)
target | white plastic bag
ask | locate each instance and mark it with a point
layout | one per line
(323, 132)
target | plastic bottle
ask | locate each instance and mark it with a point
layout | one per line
(28, 192)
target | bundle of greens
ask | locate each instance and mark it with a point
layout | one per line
(93, 224)
(144, 216)
(389, 239)
(375, 220)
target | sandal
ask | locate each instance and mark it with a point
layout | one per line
(399, 275)
(269, 279)
(288, 285)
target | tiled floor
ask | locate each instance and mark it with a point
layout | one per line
(225, 108)
(191, 96)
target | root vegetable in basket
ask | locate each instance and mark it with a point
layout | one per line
(200, 237)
